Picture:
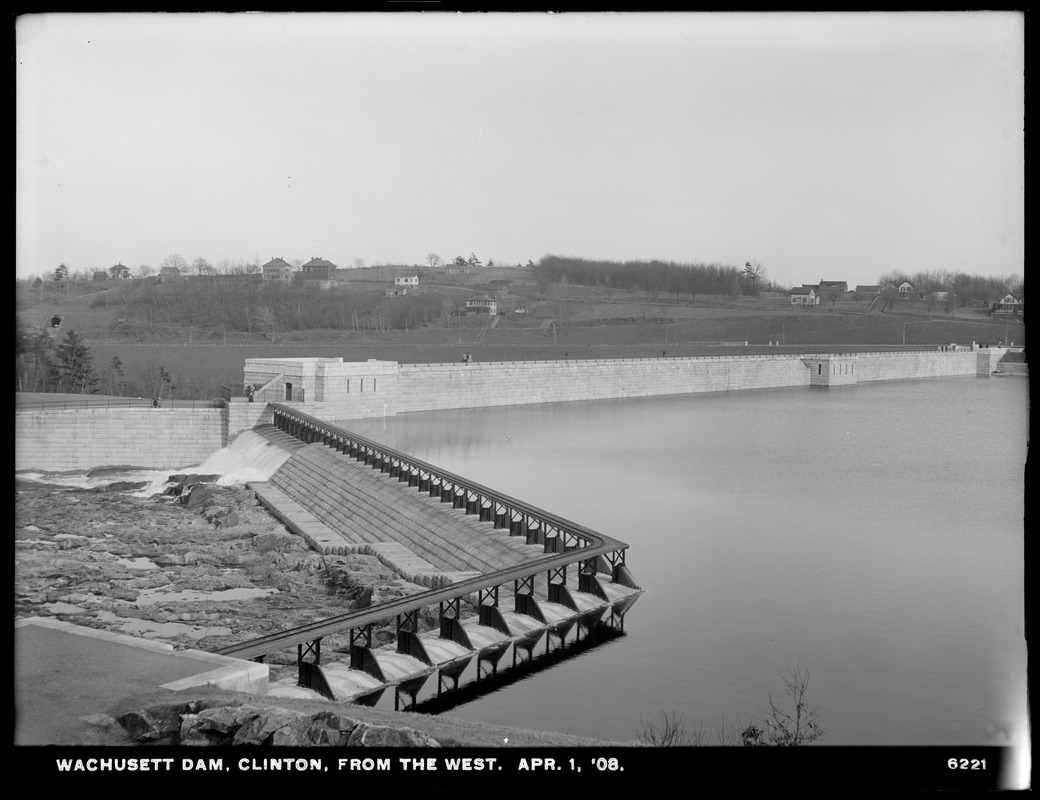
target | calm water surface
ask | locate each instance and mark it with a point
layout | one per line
(873, 534)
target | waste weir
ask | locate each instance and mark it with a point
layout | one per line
(504, 575)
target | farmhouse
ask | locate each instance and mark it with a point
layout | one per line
(119, 271)
(482, 305)
(406, 281)
(832, 286)
(318, 272)
(804, 296)
(277, 270)
(868, 290)
(1008, 304)
(906, 290)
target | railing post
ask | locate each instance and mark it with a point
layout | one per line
(408, 640)
(451, 626)
(488, 612)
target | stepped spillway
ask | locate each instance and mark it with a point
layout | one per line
(367, 507)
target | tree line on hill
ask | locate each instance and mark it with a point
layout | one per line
(67, 367)
(654, 277)
(271, 308)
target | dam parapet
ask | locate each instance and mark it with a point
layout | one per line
(67, 437)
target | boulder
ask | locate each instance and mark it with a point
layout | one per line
(277, 541)
(216, 726)
(261, 728)
(190, 479)
(365, 735)
(159, 723)
(199, 493)
(121, 486)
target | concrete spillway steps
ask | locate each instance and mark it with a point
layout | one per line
(363, 505)
(278, 437)
(328, 542)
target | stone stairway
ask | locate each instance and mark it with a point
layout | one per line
(365, 506)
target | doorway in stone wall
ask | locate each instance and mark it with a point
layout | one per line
(288, 391)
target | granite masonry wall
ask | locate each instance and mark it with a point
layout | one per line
(427, 387)
(81, 438)
(330, 388)
(901, 366)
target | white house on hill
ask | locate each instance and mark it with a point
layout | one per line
(804, 296)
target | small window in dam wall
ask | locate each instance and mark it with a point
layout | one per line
(288, 391)
(374, 384)
(348, 385)
(819, 369)
(362, 385)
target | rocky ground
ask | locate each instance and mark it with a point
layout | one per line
(203, 570)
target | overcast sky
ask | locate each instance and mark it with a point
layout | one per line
(825, 146)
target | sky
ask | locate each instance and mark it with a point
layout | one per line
(824, 146)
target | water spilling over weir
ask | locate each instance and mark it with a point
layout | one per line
(251, 456)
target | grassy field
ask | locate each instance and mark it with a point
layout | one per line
(572, 322)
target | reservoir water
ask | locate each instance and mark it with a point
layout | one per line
(871, 534)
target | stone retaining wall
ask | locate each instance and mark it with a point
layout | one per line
(903, 366)
(427, 387)
(81, 438)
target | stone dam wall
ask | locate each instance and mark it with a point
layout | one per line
(428, 387)
(329, 388)
(81, 438)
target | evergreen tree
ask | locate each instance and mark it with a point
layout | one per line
(35, 368)
(115, 376)
(75, 366)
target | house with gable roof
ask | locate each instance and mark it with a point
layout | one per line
(318, 272)
(1008, 304)
(804, 296)
(277, 270)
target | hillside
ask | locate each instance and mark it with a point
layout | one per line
(201, 330)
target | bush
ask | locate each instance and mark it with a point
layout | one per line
(788, 722)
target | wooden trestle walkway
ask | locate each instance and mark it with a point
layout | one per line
(470, 544)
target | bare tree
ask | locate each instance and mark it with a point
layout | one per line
(265, 318)
(359, 263)
(144, 270)
(753, 273)
(201, 266)
(790, 721)
(176, 261)
(433, 259)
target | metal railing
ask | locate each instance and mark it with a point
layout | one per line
(564, 543)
